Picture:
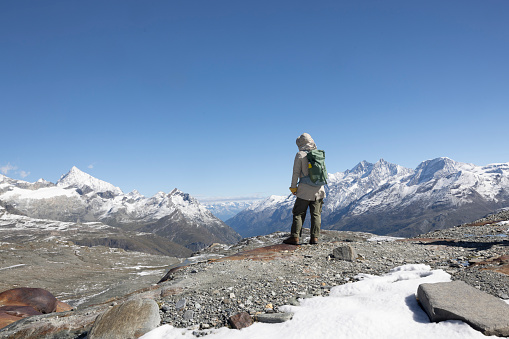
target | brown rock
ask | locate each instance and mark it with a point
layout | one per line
(10, 314)
(37, 298)
(19, 311)
(7, 319)
(63, 307)
(240, 320)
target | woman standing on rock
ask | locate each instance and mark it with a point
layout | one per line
(308, 194)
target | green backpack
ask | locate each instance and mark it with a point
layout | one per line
(317, 170)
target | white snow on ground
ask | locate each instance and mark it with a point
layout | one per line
(13, 266)
(374, 307)
(383, 238)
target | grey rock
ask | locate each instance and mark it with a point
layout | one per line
(273, 318)
(459, 301)
(72, 324)
(188, 315)
(131, 319)
(293, 301)
(346, 252)
(180, 304)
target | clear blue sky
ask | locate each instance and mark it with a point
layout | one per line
(209, 95)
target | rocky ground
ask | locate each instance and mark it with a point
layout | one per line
(259, 275)
(78, 275)
(46, 254)
(206, 293)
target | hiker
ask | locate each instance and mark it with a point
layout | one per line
(308, 193)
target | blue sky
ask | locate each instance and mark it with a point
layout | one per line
(209, 95)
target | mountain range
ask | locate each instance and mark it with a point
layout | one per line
(170, 220)
(380, 198)
(225, 210)
(388, 199)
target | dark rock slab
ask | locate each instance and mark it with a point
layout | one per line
(240, 320)
(457, 300)
(131, 319)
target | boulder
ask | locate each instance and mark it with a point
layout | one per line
(131, 319)
(240, 320)
(345, 252)
(273, 318)
(457, 300)
(19, 303)
(37, 298)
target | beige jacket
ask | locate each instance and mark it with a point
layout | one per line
(300, 169)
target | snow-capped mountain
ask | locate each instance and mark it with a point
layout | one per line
(79, 197)
(388, 199)
(224, 210)
(86, 183)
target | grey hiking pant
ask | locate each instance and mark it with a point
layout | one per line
(299, 215)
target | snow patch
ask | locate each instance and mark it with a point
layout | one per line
(375, 307)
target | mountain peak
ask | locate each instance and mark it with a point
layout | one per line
(78, 179)
(434, 168)
(361, 167)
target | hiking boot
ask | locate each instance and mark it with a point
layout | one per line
(291, 241)
(313, 241)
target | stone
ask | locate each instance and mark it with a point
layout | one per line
(10, 314)
(131, 319)
(168, 291)
(273, 318)
(457, 300)
(63, 307)
(346, 252)
(188, 315)
(19, 311)
(7, 319)
(37, 298)
(180, 304)
(240, 320)
(71, 324)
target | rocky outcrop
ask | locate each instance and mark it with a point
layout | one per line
(457, 300)
(131, 319)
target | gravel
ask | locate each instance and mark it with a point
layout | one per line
(212, 291)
